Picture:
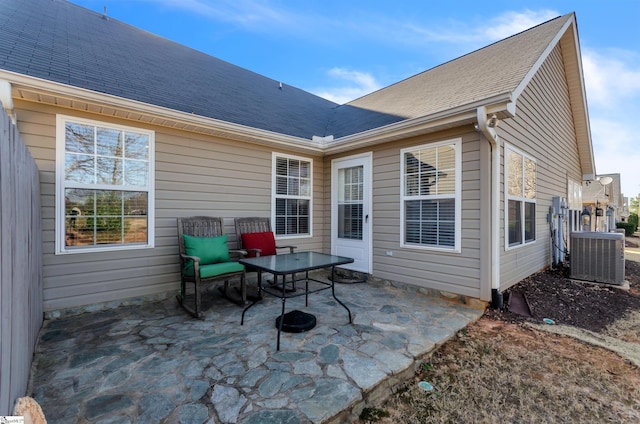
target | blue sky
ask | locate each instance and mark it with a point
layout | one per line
(343, 49)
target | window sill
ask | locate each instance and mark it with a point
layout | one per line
(103, 249)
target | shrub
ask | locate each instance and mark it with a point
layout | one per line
(629, 228)
(633, 219)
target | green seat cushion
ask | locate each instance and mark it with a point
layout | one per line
(210, 250)
(214, 270)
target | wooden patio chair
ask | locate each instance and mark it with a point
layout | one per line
(205, 258)
(255, 237)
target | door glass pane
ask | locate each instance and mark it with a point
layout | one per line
(350, 202)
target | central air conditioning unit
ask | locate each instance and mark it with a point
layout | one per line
(597, 257)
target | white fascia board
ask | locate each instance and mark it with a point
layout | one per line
(466, 114)
(500, 104)
(538, 63)
(158, 113)
(570, 25)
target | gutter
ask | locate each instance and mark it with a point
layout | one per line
(454, 117)
(488, 128)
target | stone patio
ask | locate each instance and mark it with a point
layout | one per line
(153, 363)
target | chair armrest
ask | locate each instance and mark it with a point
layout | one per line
(195, 259)
(253, 250)
(237, 253)
(291, 248)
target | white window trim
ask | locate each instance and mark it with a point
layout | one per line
(575, 215)
(60, 234)
(274, 196)
(457, 143)
(507, 197)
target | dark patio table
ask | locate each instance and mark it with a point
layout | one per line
(291, 264)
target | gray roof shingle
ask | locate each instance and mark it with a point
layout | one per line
(63, 42)
(490, 71)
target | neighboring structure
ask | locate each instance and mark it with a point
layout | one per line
(442, 181)
(605, 202)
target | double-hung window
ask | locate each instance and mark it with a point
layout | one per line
(104, 186)
(520, 180)
(430, 196)
(292, 193)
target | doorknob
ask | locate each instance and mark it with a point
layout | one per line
(366, 218)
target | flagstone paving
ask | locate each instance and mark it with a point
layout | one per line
(153, 363)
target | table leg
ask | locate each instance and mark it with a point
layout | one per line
(306, 290)
(284, 299)
(333, 292)
(247, 308)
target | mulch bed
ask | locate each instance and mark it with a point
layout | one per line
(552, 294)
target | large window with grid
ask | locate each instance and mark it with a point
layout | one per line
(430, 200)
(520, 193)
(104, 186)
(292, 192)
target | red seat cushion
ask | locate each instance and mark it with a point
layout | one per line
(264, 241)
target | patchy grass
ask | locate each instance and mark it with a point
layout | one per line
(373, 415)
(507, 373)
(499, 370)
(627, 329)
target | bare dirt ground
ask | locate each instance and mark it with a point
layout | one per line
(507, 367)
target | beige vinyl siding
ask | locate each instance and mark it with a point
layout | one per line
(451, 272)
(543, 129)
(195, 175)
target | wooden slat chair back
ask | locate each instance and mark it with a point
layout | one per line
(193, 271)
(255, 225)
(252, 225)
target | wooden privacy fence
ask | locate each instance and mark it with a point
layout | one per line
(20, 264)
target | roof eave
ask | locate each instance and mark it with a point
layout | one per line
(47, 92)
(575, 79)
(38, 90)
(500, 104)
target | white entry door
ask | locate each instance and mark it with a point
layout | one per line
(351, 210)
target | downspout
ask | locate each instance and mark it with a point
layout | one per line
(7, 100)
(487, 127)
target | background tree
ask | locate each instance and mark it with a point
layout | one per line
(634, 204)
